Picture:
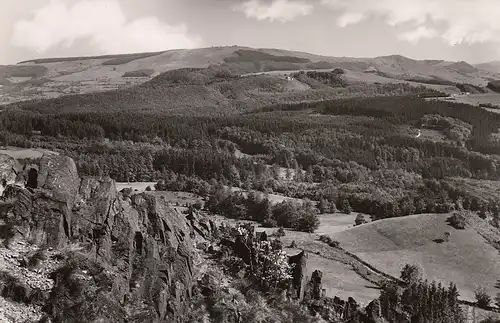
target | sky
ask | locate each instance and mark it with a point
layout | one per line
(454, 30)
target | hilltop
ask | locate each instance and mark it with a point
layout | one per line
(53, 77)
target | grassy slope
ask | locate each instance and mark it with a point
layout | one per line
(388, 244)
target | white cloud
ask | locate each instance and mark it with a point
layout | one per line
(417, 34)
(350, 18)
(460, 21)
(103, 23)
(276, 10)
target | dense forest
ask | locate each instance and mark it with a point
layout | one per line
(360, 151)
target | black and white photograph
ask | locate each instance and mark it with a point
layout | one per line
(250, 161)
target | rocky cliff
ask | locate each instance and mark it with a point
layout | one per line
(76, 250)
(108, 258)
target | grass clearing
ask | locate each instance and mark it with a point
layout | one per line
(21, 153)
(477, 99)
(466, 258)
(139, 186)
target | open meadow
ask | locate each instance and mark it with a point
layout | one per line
(466, 259)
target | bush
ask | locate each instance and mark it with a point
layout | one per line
(483, 300)
(198, 205)
(127, 192)
(457, 220)
(345, 206)
(12, 288)
(360, 219)
(329, 241)
(280, 232)
(7, 233)
(308, 223)
(35, 258)
(411, 274)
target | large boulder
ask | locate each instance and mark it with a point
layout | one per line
(58, 174)
(42, 211)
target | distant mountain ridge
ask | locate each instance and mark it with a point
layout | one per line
(52, 77)
(490, 66)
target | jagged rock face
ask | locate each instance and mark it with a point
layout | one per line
(316, 289)
(139, 250)
(58, 175)
(299, 281)
(9, 168)
(163, 245)
(374, 312)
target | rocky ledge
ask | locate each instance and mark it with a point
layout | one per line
(103, 257)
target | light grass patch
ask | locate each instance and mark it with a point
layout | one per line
(139, 186)
(466, 259)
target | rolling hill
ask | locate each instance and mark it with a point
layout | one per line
(490, 66)
(466, 258)
(47, 78)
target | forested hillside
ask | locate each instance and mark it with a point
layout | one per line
(360, 151)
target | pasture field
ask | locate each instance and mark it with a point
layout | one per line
(466, 259)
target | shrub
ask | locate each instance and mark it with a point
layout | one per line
(280, 232)
(326, 206)
(360, 219)
(483, 300)
(411, 274)
(457, 220)
(308, 223)
(12, 288)
(329, 241)
(7, 233)
(198, 205)
(127, 192)
(149, 189)
(233, 264)
(345, 206)
(35, 258)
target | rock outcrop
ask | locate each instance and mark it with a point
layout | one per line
(374, 312)
(299, 281)
(9, 168)
(135, 256)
